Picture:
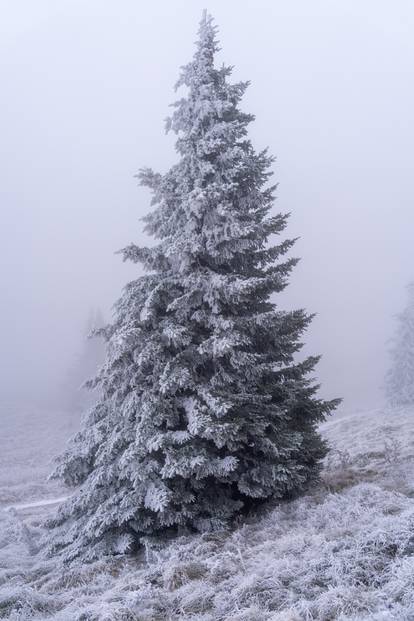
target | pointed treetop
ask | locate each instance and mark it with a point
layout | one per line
(200, 70)
(207, 33)
(210, 106)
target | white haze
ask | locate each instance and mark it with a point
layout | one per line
(85, 88)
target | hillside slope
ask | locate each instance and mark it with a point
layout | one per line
(345, 551)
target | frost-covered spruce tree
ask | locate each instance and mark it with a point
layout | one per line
(399, 381)
(204, 411)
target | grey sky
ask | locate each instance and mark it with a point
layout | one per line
(85, 88)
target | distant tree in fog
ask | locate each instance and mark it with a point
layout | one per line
(399, 381)
(204, 412)
(75, 395)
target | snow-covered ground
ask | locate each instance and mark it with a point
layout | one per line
(28, 443)
(345, 551)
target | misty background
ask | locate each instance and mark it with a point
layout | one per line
(85, 90)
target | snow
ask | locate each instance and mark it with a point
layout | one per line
(37, 503)
(345, 551)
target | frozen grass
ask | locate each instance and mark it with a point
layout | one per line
(343, 552)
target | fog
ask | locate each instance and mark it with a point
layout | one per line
(86, 87)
